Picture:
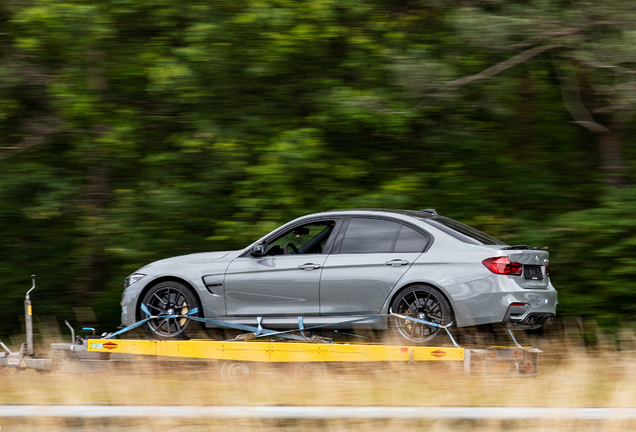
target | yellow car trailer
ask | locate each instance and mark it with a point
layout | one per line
(238, 356)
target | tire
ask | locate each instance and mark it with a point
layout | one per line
(233, 371)
(171, 298)
(421, 302)
(310, 370)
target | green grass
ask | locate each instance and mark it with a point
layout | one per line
(570, 375)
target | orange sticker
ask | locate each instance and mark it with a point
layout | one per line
(527, 367)
(110, 345)
(438, 353)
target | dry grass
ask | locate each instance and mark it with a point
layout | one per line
(571, 375)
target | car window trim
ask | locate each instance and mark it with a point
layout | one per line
(341, 233)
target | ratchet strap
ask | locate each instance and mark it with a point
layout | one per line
(428, 323)
(145, 310)
(260, 332)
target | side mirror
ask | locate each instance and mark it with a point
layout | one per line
(259, 249)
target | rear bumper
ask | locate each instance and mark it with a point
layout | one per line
(490, 301)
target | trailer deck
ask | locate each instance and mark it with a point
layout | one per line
(512, 361)
(277, 352)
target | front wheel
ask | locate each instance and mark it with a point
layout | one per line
(171, 298)
(421, 302)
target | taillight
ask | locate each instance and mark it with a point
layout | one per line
(502, 265)
(547, 270)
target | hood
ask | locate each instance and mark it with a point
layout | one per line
(195, 258)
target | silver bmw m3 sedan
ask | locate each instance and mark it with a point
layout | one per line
(350, 269)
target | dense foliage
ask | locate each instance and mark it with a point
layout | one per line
(139, 129)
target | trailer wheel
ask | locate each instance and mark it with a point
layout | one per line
(233, 370)
(310, 370)
(421, 302)
(171, 298)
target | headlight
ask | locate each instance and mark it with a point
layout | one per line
(132, 279)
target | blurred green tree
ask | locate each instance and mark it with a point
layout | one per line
(136, 130)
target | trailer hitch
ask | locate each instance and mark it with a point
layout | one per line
(26, 358)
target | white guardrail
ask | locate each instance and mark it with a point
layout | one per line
(323, 412)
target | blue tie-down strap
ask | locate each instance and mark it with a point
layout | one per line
(145, 310)
(259, 331)
(432, 324)
(260, 327)
(302, 328)
(421, 321)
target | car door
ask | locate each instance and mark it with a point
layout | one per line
(371, 257)
(285, 281)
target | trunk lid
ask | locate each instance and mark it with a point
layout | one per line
(535, 266)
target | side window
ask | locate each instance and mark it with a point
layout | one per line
(305, 239)
(369, 235)
(410, 240)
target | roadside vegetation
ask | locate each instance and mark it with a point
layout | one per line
(136, 130)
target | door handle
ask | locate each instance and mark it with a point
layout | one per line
(396, 263)
(309, 266)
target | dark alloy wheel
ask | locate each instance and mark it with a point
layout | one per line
(424, 303)
(171, 298)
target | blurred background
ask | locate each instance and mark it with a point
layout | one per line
(134, 130)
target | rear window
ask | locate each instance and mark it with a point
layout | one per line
(462, 232)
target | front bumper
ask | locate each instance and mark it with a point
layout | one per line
(128, 303)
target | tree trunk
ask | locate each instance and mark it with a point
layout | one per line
(611, 156)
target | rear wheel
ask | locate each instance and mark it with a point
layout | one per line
(171, 298)
(424, 303)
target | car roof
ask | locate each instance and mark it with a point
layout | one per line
(423, 214)
(428, 218)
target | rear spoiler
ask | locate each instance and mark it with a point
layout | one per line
(523, 247)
